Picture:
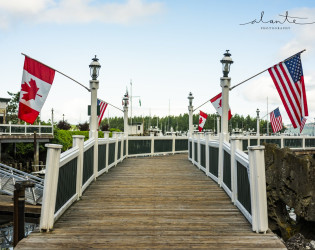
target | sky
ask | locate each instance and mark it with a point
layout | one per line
(166, 48)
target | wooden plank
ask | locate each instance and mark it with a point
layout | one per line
(153, 203)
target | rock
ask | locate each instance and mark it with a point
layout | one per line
(290, 181)
(298, 241)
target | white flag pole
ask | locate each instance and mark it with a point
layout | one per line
(58, 72)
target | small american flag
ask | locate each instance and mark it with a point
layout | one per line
(303, 121)
(289, 81)
(103, 105)
(276, 120)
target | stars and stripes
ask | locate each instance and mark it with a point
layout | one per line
(303, 121)
(276, 120)
(289, 81)
(103, 105)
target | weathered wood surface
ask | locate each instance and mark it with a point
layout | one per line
(160, 202)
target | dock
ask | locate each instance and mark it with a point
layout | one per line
(153, 203)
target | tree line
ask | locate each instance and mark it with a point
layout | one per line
(177, 123)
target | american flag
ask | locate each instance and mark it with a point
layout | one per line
(289, 81)
(103, 105)
(303, 121)
(276, 120)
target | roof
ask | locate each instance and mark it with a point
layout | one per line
(6, 100)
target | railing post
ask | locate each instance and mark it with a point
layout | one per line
(207, 154)
(50, 187)
(10, 127)
(221, 155)
(198, 151)
(258, 188)
(78, 140)
(115, 136)
(193, 148)
(173, 144)
(303, 142)
(122, 138)
(152, 143)
(39, 129)
(25, 128)
(236, 144)
(282, 142)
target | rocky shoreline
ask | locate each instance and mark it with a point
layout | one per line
(290, 183)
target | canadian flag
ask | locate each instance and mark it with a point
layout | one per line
(202, 120)
(36, 82)
(217, 104)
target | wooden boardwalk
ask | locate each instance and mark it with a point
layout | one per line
(153, 203)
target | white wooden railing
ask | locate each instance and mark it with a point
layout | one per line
(242, 176)
(24, 129)
(70, 173)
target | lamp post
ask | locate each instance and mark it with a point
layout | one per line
(225, 84)
(191, 110)
(94, 84)
(125, 103)
(257, 132)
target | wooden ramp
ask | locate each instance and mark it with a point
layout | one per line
(153, 202)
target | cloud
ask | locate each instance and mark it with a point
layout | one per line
(304, 35)
(74, 11)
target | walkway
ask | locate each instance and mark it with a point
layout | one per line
(158, 202)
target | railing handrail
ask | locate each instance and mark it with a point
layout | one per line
(25, 127)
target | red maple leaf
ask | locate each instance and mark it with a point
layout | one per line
(200, 120)
(220, 103)
(31, 90)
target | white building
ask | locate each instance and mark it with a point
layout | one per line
(136, 129)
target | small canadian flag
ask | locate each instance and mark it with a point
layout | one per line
(36, 82)
(202, 120)
(217, 104)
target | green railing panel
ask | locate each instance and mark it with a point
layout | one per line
(213, 160)
(273, 141)
(119, 150)
(88, 162)
(4, 129)
(227, 169)
(20, 129)
(190, 149)
(139, 147)
(111, 153)
(31, 129)
(243, 187)
(253, 142)
(163, 146)
(203, 155)
(293, 143)
(67, 181)
(196, 152)
(181, 144)
(309, 143)
(245, 145)
(101, 157)
(46, 130)
(125, 148)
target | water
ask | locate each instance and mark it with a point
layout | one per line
(6, 234)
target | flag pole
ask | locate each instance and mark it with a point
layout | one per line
(201, 105)
(265, 70)
(58, 72)
(253, 76)
(110, 104)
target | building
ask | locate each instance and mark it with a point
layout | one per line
(136, 129)
(3, 109)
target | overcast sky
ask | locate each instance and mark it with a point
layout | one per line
(168, 48)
